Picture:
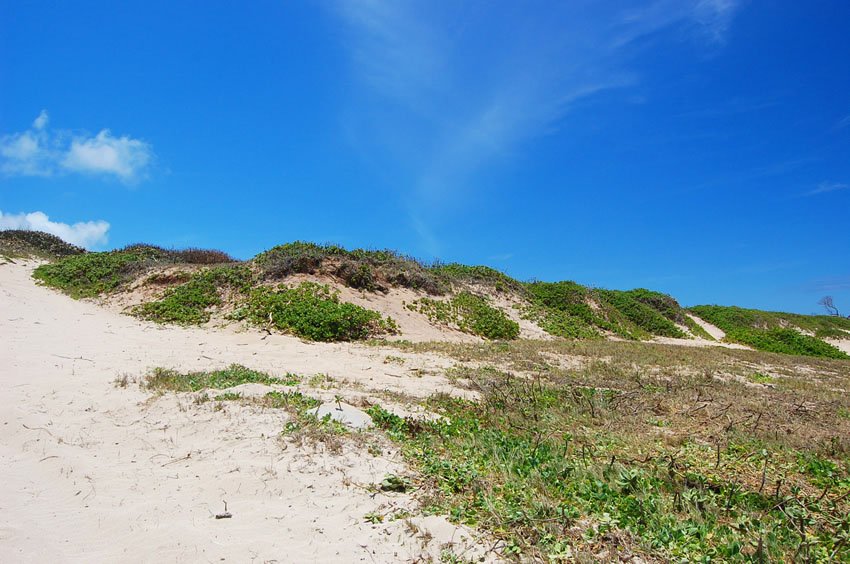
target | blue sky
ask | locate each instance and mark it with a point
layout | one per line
(695, 147)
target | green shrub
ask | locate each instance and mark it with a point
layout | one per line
(88, 275)
(189, 303)
(313, 311)
(559, 323)
(642, 315)
(469, 313)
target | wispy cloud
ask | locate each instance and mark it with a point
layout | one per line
(86, 234)
(826, 187)
(41, 152)
(457, 86)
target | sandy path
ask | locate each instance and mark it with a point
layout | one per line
(93, 473)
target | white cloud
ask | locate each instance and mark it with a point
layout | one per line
(826, 187)
(41, 121)
(104, 154)
(86, 234)
(39, 152)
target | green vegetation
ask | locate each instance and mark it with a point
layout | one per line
(482, 275)
(469, 313)
(91, 274)
(88, 275)
(19, 243)
(565, 309)
(633, 314)
(777, 332)
(189, 303)
(171, 380)
(363, 269)
(562, 465)
(313, 311)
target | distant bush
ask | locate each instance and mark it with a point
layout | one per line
(787, 341)
(483, 275)
(313, 311)
(469, 313)
(776, 331)
(194, 255)
(362, 269)
(25, 243)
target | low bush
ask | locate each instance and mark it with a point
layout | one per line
(641, 314)
(194, 255)
(90, 274)
(313, 311)
(189, 303)
(469, 313)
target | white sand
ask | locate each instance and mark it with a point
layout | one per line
(96, 473)
(712, 330)
(843, 344)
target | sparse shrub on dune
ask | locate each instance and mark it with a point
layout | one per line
(479, 275)
(22, 243)
(469, 313)
(190, 302)
(363, 269)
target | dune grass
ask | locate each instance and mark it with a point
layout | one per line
(676, 453)
(162, 379)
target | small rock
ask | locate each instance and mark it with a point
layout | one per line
(346, 414)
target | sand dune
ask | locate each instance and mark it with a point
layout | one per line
(93, 472)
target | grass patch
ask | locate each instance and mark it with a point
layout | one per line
(163, 379)
(314, 311)
(469, 313)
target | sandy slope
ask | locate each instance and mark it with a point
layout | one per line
(92, 472)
